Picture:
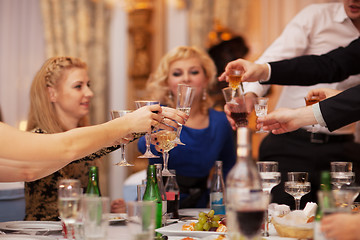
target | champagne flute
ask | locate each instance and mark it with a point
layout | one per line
(185, 96)
(246, 215)
(123, 161)
(261, 109)
(237, 106)
(148, 153)
(166, 143)
(270, 177)
(69, 193)
(297, 186)
(341, 174)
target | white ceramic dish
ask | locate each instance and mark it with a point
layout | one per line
(117, 217)
(32, 227)
(27, 237)
(175, 230)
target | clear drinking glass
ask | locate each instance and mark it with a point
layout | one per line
(235, 76)
(166, 143)
(69, 193)
(261, 109)
(141, 220)
(235, 101)
(148, 153)
(341, 174)
(270, 177)
(297, 186)
(123, 161)
(185, 97)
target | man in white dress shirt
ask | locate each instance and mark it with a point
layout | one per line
(317, 29)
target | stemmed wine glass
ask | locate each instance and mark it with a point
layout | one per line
(185, 97)
(235, 77)
(116, 114)
(148, 153)
(69, 193)
(297, 186)
(261, 108)
(166, 143)
(235, 101)
(270, 177)
(341, 174)
(246, 215)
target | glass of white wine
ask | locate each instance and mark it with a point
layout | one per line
(185, 97)
(115, 114)
(166, 143)
(270, 177)
(297, 186)
(69, 193)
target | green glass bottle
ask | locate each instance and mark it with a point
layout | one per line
(324, 198)
(152, 193)
(93, 184)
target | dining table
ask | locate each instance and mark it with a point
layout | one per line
(119, 230)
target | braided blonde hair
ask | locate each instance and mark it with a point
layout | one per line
(42, 112)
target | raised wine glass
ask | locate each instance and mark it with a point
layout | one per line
(69, 193)
(341, 174)
(270, 177)
(235, 101)
(115, 114)
(261, 109)
(297, 186)
(185, 97)
(246, 214)
(166, 143)
(235, 77)
(148, 153)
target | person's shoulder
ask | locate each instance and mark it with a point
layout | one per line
(319, 9)
(217, 116)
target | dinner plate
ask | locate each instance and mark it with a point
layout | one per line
(192, 212)
(27, 237)
(175, 230)
(115, 218)
(32, 227)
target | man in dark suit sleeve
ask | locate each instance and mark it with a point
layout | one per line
(334, 66)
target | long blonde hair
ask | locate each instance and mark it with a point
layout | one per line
(42, 113)
(157, 85)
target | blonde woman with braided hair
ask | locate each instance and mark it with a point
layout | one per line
(207, 133)
(60, 99)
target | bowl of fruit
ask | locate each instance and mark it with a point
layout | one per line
(207, 222)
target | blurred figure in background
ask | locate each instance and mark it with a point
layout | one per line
(207, 133)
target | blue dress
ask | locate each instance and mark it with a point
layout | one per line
(194, 161)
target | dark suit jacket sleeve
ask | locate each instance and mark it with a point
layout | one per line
(342, 109)
(334, 66)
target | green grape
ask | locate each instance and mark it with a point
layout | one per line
(198, 226)
(216, 218)
(201, 214)
(211, 213)
(206, 226)
(202, 220)
(214, 224)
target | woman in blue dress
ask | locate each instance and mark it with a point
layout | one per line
(207, 133)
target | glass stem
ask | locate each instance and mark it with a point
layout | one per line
(166, 159)
(122, 146)
(297, 203)
(147, 139)
(178, 131)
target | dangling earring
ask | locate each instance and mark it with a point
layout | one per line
(204, 95)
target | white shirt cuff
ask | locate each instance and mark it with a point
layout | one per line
(317, 114)
(268, 77)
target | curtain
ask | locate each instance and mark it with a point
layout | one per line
(80, 28)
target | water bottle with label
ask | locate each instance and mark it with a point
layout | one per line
(217, 190)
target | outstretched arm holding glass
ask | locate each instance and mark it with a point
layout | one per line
(42, 154)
